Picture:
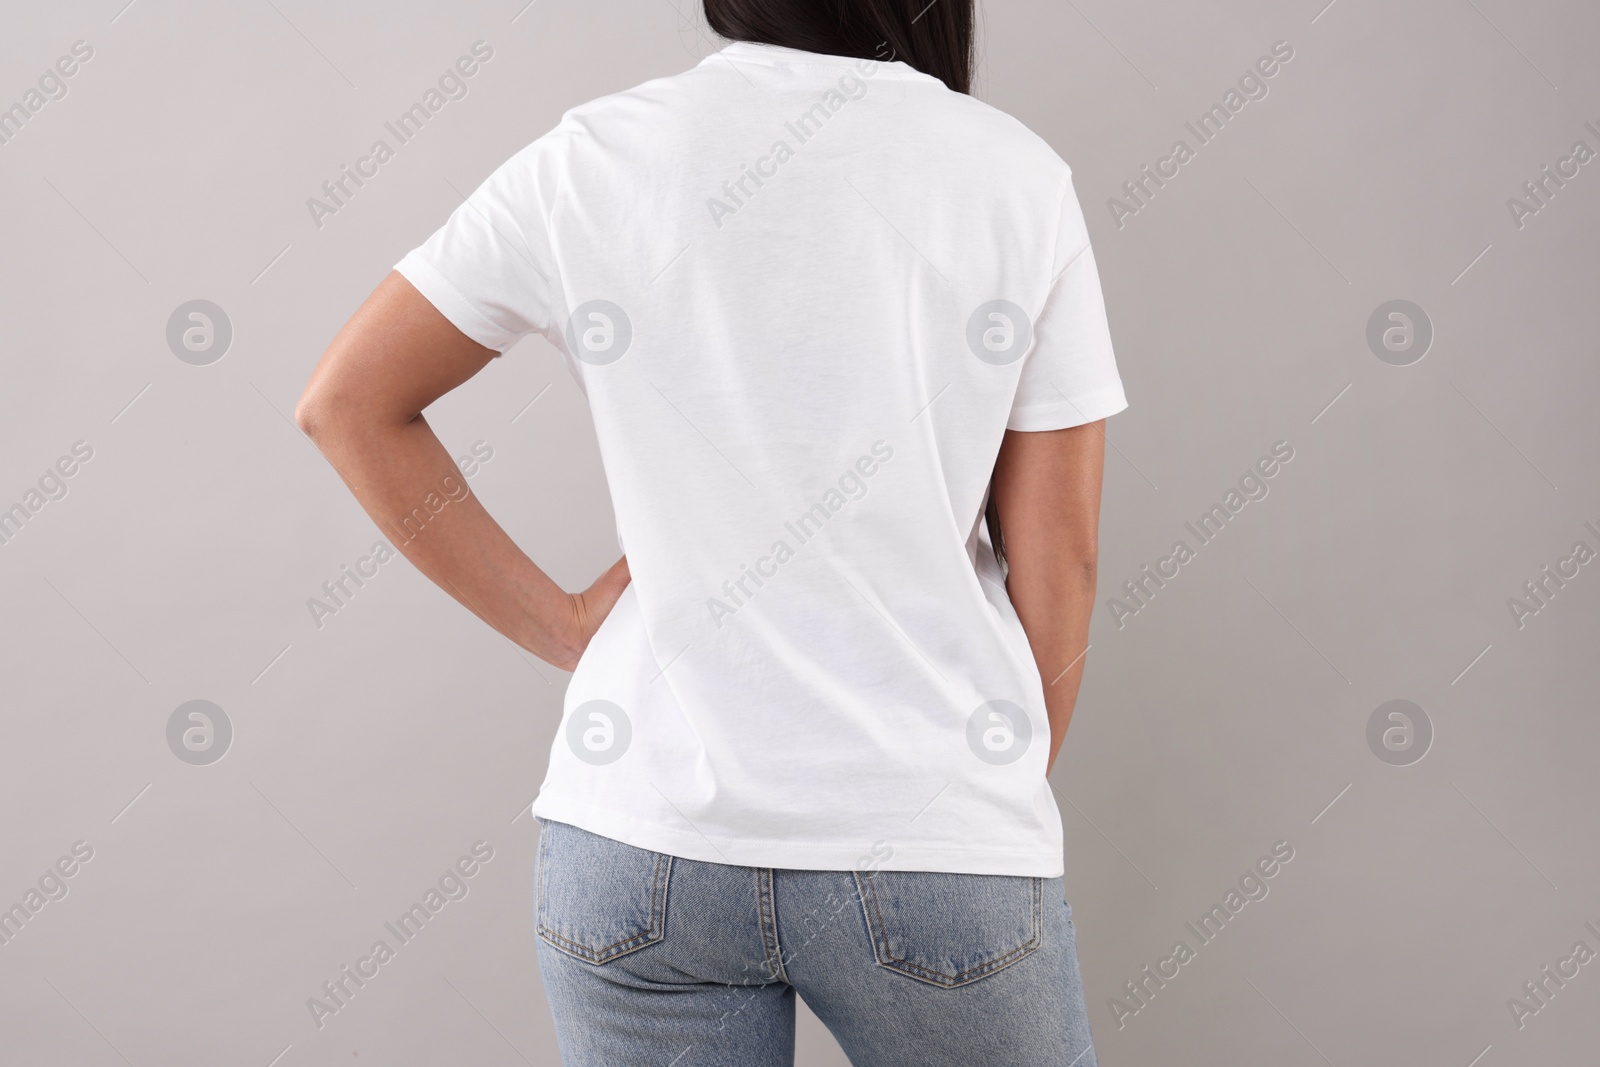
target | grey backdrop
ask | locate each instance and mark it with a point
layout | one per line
(1238, 708)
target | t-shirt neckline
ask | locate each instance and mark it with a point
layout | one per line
(780, 55)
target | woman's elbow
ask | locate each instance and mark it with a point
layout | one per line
(312, 413)
(324, 413)
(332, 405)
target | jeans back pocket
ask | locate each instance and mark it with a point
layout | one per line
(598, 898)
(950, 929)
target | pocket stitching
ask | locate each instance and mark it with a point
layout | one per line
(659, 878)
(880, 941)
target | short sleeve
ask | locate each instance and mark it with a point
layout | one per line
(489, 269)
(1069, 376)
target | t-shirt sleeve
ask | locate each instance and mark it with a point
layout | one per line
(489, 269)
(1069, 376)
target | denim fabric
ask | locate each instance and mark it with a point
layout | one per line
(657, 960)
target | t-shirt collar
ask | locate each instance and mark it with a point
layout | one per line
(778, 55)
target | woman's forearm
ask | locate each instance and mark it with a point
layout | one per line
(406, 480)
(1047, 493)
(1055, 611)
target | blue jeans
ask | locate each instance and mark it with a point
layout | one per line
(657, 960)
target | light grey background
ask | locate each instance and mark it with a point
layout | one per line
(1230, 713)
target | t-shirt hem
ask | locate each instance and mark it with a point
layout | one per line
(1069, 411)
(748, 851)
(443, 294)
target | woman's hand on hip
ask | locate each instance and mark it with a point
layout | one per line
(590, 607)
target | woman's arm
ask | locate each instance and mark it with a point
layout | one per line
(363, 409)
(1047, 491)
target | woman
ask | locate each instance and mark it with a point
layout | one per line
(841, 332)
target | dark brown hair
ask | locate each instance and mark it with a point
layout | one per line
(933, 36)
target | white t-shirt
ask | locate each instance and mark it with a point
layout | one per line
(805, 295)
